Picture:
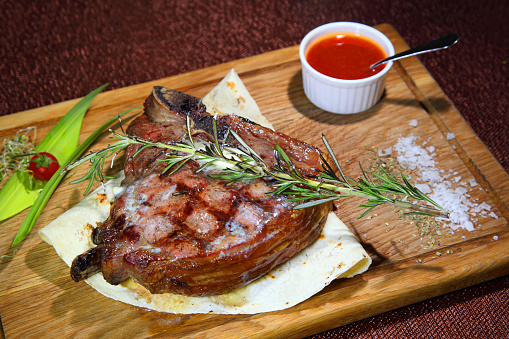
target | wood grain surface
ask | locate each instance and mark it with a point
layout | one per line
(39, 299)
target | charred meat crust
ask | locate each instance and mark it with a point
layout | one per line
(178, 102)
(208, 238)
(86, 264)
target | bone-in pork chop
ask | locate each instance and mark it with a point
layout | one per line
(188, 233)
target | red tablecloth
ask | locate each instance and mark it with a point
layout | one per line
(58, 50)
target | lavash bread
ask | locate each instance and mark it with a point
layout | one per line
(230, 96)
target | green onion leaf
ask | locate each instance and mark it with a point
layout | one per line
(17, 193)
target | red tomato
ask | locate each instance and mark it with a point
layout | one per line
(43, 165)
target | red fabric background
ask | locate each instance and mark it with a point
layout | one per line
(58, 50)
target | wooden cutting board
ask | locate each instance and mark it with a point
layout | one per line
(38, 298)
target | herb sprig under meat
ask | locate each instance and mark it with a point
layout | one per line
(241, 162)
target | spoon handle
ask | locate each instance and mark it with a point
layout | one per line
(434, 45)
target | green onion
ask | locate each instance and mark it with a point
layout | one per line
(19, 192)
(52, 184)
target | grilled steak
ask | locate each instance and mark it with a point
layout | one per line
(188, 233)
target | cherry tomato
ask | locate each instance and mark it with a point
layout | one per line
(43, 165)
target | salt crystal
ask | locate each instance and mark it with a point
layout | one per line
(495, 237)
(493, 215)
(430, 149)
(450, 136)
(385, 152)
(413, 123)
(473, 183)
(457, 179)
(483, 206)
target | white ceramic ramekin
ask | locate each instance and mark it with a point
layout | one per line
(343, 96)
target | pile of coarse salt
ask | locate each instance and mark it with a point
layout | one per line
(438, 185)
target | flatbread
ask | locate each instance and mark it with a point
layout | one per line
(335, 254)
(230, 96)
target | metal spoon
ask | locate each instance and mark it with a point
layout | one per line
(434, 45)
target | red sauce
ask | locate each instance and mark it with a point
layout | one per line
(345, 56)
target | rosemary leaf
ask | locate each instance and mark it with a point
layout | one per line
(314, 203)
(366, 212)
(182, 163)
(334, 159)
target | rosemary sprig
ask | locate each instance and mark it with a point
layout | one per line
(241, 162)
(98, 158)
(327, 187)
